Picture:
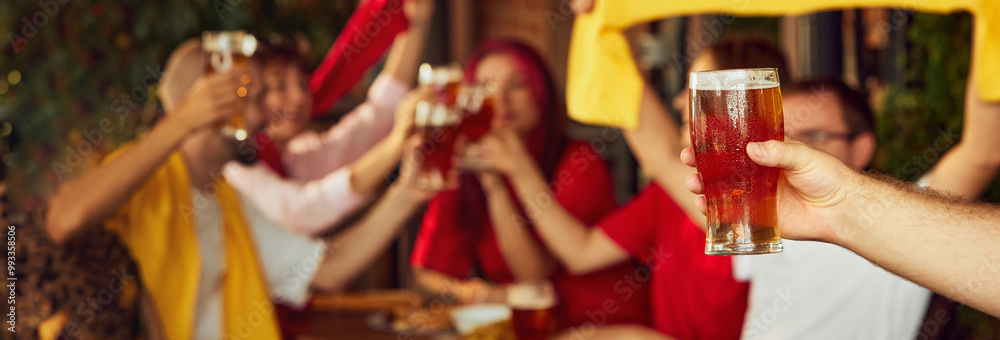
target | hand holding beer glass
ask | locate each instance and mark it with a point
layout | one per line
(437, 125)
(532, 310)
(729, 109)
(230, 51)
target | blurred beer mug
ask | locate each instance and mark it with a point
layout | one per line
(230, 51)
(476, 102)
(532, 309)
(445, 80)
(437, 125)
(729, 109)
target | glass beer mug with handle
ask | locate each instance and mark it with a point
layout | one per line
(730, 108)
(230, 51)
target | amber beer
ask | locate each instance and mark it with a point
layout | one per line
(729, 109)
(532, 310)
(230, 51)
(437, 124)
(446, 81)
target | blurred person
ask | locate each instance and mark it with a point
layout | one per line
(822, 282)
(188, 231)
(475, 240)
(694, 296)
(323, 186)
(938, 242)
(208, 257)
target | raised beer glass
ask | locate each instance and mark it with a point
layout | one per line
(532, 310)
(437, 124)
(230, 51)
(729, 109)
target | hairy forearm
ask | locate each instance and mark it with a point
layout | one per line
(354, 249)
(369, 172)
(527, 260)
(105, 188)
(942, 244)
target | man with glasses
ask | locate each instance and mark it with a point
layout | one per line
(819, 290)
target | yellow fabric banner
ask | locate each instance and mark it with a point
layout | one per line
(604, 86)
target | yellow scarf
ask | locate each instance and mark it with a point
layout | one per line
(157, 226)
(604, 86)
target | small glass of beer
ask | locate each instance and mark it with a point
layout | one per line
(437, 124)
(729, 109)
(230, 51)
(445, 80)
(532, 310)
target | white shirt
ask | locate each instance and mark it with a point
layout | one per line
(288, 261)
(318, 193)
(815, 290)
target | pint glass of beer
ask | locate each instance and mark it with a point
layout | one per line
(532, 310)
(729, 109)
(230, 51)
(437, 124)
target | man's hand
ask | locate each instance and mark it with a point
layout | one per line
(816, 192)
(212, 98)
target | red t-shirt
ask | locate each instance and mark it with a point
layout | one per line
(695, 296)
(601, 297)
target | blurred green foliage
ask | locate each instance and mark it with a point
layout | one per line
(925, 112)
(82, 60)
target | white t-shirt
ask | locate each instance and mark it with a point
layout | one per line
(288, 260)
(818, 291)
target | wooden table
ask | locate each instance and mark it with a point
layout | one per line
(344, 316)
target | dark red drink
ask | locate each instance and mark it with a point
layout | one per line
(438, 126)
(533, 324)
(742, 210)
(477, 123)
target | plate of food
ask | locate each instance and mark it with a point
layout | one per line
(409, 320)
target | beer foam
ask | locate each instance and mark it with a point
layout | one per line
(738, 79)
(526, 296)
(435, 115)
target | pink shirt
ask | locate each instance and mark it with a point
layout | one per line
(318, 193)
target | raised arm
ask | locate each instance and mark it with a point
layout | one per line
(656, 142)
(580, 249)
(408, 48)
(942, 244)
(101, 191)
(968, 168)
(353, 250)
(313, 207)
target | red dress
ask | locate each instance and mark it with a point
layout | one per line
(695, 296)
(454, 248)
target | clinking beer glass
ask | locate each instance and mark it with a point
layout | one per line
(437, 125)
(230, 51)
(729, 109)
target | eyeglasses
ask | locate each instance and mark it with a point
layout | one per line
(821, 136)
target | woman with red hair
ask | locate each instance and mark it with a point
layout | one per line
(479, 233)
